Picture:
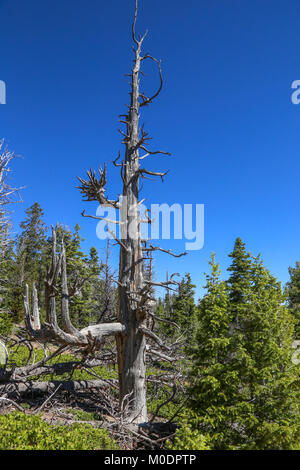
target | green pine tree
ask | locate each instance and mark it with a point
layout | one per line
(29, 258)
(83, 273)
(7, 271)
(32, 241)
(179, 308)
(293, 293)
(243, 385)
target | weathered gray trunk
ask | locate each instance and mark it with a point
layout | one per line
(132, 344)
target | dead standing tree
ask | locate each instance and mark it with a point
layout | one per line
(7, 192)
(8, 195)
(135, 291)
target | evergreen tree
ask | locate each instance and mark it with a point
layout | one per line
(29, 259)
(240, 278)
(293, 293)
(7, 272)
(179, 308)
(32, 241)
(106, 293)
(84, 307)
(184, 308)
(83, 276)
(242, 382)
(160, 308)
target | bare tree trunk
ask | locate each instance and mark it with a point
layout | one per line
(132, 345)
(135, 292)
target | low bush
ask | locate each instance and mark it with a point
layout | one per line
(19, 431)
(188, 439)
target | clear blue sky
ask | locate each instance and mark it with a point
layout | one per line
(225, 114)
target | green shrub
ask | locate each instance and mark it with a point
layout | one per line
(6, 324)
(187, 439)
(27, 432)
(82, 415)
(18, 356)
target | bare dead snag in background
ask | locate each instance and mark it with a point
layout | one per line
(7, 192)
(8, 195)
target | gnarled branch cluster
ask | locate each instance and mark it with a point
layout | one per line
(93, 189)
(91, 337)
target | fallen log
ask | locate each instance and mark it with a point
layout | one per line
(24, 388)
(42, 368)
